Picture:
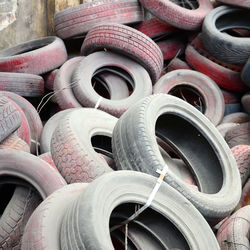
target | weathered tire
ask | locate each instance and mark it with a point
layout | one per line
(238, 117)
(238, 135)
(205, 88)
(80, 19)
(223, 128)
(226, 76)
(49, 79)
(227, 48)
(245, 73)
(73, 138)
(22, 84)
(46, 219)
(135, 148)
(86, 94)
(15, 216)
(245, 100)
(32, 116)
(10, 119)
(245, 196)
(32, 56)
(183, 18)
(38, 173)
(230, 97)
(155, 28)
(234, 232)
(49, 129)
(177, 63)
(15, 142)
(241, 154)
(48, 158)
(130, 188)
(240, 3)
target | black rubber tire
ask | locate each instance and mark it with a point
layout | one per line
(122, 187)
(71, 147)
(44, 178)
(78, 20)
(34, 57)
(224, 47)
(245, 73)
(22, 84)
(49, 129)
(10, 119)
(88, 97)
(205, 87)
(17, 213)
(245, 100)
(214, 168)
(46, 219)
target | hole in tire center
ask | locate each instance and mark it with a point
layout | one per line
(7, 191)
(190, 95)
(193, 148)
(187, 4)
(163, 233)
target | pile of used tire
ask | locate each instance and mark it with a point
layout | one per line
(146, 136)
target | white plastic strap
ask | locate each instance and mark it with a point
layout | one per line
(98, 103)
(150, 198)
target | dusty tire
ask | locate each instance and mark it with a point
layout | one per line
(49, 129)
(10, 119)
(63, 85)
(80, 19)
(226, 76)
(38, 173)
(234, 232)
(239, 135)
(240, 3)
(49, 215)
(178, 16)
(227, 48)
(27, 85)
(20, 207)
(31, 114)
(137, 128)
(35, 60)
(205, 88)
(48, 158)
(241, 154)
(245, 100)
(88, 97)
(245, 73)
(177, 63)
(130, 188)
(245, 196)
(238, 117)
(49, 79)
(223, 128)
(73, 138)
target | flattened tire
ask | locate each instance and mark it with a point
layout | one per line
(80, 19)
(205, 87)
(44, 178)
(183, 18)
(130, 188)
(46, 54)
(126, 41)
(135, 147)
(224, 47)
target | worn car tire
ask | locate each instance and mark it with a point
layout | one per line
(71, 147)
(238, 117)
(205, 88)
(245, 100)
(240, 3)
(177, 63)
(227, 48)
(124, 187)
(245, 73)
(32, 56)
(49, 79)
(223, 128)
(135, 148)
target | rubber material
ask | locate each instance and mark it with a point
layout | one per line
(240, 3)
(134, 147)
(205, 87)
(223, 128)
(86, 94)
(38, 173)
(230, 97)
(227, 48)
(183, 18)
(245, 100)
(177, 63)
(73, 138)
(239, 135)
(49, 79)
(10, 119)
(14, 142)
(245, 196)
(47, 218)
(226, 76)
(126, 41)
(48, 158)
(239, 117)
(234, 232)
(123, 187)
(32, 56)
(78, 20)
(22, 84)
(245, 73)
